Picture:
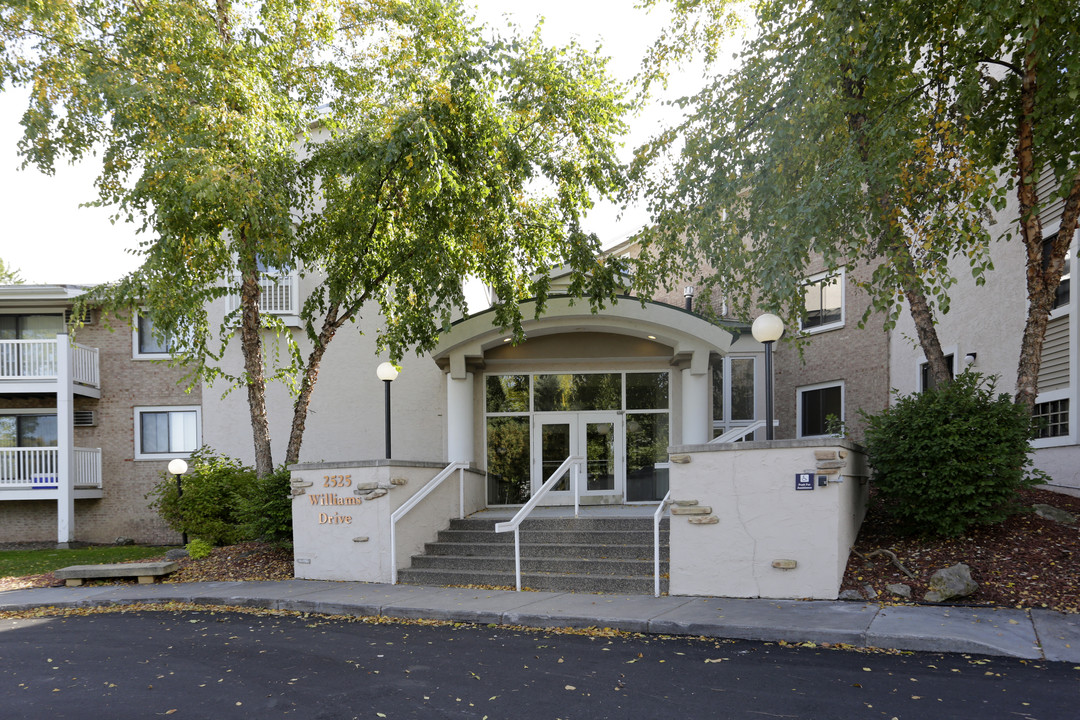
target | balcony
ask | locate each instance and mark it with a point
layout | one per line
(280, 295)
(32, 473)
(32, 366)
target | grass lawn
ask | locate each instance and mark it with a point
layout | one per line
(16, 563)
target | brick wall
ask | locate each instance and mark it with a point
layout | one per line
(125, 384)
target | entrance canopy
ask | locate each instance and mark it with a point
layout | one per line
(616, 387)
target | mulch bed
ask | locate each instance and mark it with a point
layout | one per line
(1025, 562)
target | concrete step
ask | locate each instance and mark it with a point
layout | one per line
(580, 537)
(568, 523)
(552, 582)
(578, 566)
(552, 550)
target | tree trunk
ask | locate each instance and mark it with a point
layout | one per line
(251, 347)
(307, 384)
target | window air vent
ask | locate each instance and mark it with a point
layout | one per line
(84, 418)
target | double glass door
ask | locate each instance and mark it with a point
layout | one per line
(599, 437)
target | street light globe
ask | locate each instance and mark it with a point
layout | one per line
(767, 328)
(177, 466)
(386, 371)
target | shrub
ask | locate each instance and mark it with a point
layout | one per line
(197, 549)
(209, 506)
(946, 459)
(267, 510)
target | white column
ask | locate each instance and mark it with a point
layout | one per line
(460, 421)
(695, 400)
(65, 462)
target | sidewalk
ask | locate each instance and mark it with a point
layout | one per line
(1032, 634)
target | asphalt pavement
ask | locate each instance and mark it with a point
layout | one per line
(1035, 634)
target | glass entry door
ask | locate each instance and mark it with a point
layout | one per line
(598, 436)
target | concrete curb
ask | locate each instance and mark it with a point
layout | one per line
(1038, 634)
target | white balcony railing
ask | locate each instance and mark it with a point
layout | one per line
(37, 468)
(36, 360)
(280, 294)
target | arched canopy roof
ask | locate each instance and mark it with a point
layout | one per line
(690, 337)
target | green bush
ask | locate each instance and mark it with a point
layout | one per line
(197, 549)
(209, 506)
(946, 459)
(267, 510)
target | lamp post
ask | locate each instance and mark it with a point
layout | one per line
(767, 329)
(178, 467)
(387, 372)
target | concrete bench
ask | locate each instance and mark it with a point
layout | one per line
(74, 575)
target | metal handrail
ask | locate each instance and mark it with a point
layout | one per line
(514, 523)
(415, 500)
(738, 433)
(656, 541)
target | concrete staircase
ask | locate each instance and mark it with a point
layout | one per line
(605, 555)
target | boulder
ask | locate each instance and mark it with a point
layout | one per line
(899, 590)
(851, 595)
(123, 541)
(176, 554)
(951, 582)
(1056, 514)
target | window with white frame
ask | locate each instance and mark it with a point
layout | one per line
(820, 409)
(1051, 419)
(823, 297)
(166, 432)
(146, 342)
(733, 395)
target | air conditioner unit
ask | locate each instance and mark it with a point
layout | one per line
(84, 418)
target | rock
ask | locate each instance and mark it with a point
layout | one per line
(176, 554)
(1056, 514)
(871, 593)
(123, 541)
(899, 589)
(950, 583)
(850, 595)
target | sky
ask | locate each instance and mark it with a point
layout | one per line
(50, 238)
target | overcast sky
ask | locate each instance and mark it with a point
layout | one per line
(52, 240)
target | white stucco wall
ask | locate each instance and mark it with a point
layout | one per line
(327, 547)
(346, 414)
(748, 515)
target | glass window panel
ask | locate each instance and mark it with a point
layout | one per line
(742, 388)
(600, 456)
(817, 406)
(554, 449)
(37, 430)
(40, 327)
(148, 343)
(647, 442)
(508, 460)
(507, 393)
(9, 327)
(154, 432)
(647, 391)
(9, 433)
(592, 391)
(182, 435)
(718, 391)
(831, 300)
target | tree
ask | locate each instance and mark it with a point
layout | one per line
(9, 275)
(828, 140)
(876, 132)
(385, 148)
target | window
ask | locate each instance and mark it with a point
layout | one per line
(824, 302)
(1061, 296)
(166, 432)
(146, 343)
(926, 382)
(732, 393)
(820, 408)
(1051, 419)
(27, 430)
